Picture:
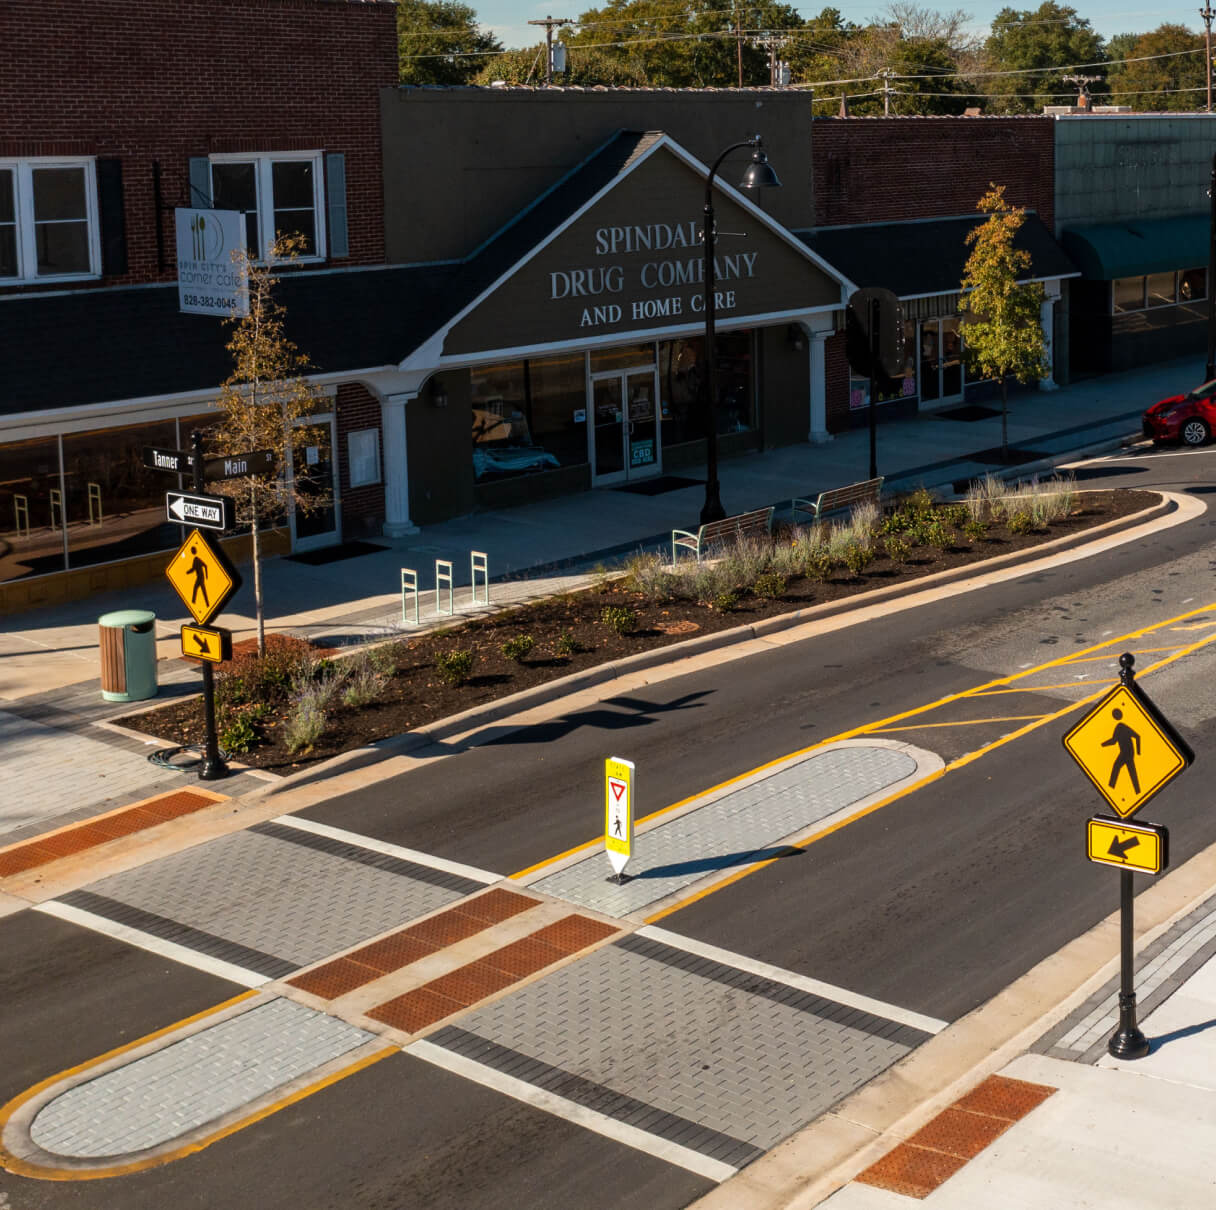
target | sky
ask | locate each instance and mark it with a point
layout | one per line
(509, 18)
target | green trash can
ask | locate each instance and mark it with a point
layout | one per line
(128, 655)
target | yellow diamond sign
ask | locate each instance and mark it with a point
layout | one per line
(203, 577)
(1127, 749)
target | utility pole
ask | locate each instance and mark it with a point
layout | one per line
(739, 43)
(1084, 100)
(1206, 13)
(887, 91)
(550, 24)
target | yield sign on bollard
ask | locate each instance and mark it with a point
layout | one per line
(618, 812)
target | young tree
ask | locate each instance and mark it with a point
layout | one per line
(440, 42)
(262, 404)
(1002, 337)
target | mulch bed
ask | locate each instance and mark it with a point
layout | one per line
(416, 695)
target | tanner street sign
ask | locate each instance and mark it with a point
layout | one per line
(176, 462)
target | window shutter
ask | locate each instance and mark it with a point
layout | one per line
(113, 218)
(200, 182)
(335, 196)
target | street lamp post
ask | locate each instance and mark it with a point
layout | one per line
(758, 175)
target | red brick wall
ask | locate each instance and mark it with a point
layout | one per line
(836, 382)
(145, 80)
(362, 507)
(879, 170)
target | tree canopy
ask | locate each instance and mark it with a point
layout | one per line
(586, 67)
(1176, 82)
(446, 29)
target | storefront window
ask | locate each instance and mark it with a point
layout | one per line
(904, 385)
(31, 509)
(681, 373)
(622, 357)
(529, 415)
(115, 504)
(1161, 290)
(1128, 294)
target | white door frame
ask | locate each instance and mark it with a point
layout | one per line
(330, 537)
(627, 473)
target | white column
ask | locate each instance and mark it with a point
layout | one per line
(397, 521)
(818, 434)
(1047, 322)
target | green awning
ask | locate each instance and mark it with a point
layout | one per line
(1109, 250)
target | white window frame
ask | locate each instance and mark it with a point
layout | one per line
(372, 434)
(263, 162)
(27, 247)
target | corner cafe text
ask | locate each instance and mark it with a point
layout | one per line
(658, 274)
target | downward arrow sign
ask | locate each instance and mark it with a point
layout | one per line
(1119, 848)
(202, 642)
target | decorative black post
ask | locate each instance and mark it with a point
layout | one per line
(213, 766)
(875, 318)
(1128, 1040)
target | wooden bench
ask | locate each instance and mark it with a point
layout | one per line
(756, 524)
(838, 498)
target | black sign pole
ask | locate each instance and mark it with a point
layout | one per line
(875, 320)
(213, 766)
(1128, 1041)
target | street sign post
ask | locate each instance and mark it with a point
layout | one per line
(874, 346)
(1144, 847)
(237, 466)
(207, 512)
(212, 643)
(203, 577)
(1129, 751)
(174, 462)
(618, 812)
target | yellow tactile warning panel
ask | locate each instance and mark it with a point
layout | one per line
(958, 1134)
(75, 838)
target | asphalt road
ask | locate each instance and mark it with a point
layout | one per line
(933, 903)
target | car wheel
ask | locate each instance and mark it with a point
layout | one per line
(1195, 431)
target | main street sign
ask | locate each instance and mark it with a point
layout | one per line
(1127, 748)
(1130, 846)
(176, 462)
(203, 643)
(203, 577)
(237, 466)
(618, 812)
(207, 512)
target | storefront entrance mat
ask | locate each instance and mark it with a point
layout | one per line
(332, 554)
(969, 412)
(659, 485)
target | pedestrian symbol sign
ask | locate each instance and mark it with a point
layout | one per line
(1127, 749)
(1130, 846)
(618, 811)
(203, 577)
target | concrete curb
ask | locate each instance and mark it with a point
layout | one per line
(540, 695)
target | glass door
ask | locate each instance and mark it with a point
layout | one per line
(643, 435)
(930, 362)
(952, 359)
(314, 476)
(625, 435)
(608, 429)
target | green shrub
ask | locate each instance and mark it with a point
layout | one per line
(954, 514)
(304, 725)
(819, 563)
(974, 528)
(725, 602)
(454, 666)
(519, 647)
(238, 733)
(364, 680)
(899, 548)
(857, 557)
(567, 644)
(935, 533)
(648, 574)
(770, 585)
(1020, 522)
(619, 618)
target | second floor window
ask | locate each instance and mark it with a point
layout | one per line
(278, 195)
(48, 219)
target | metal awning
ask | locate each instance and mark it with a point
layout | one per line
(1106, 251)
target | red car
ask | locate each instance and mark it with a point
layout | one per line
(1189, 418)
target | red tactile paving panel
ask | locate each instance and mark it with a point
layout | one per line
(23, 857)
(415, 1010)
(468, 984)
(445, 929)
(335, 978)
(393, 952)
(912, 1171)
(180, 802)
(1001, 1097)
(496, 905)
(524, 956)
(64, 844)
(959, 1132)
(574, 933)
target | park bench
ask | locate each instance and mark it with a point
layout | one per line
(836, 499)
(756, 524)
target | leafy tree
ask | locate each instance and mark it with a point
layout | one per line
(262, 403)
(586, 67)
(445, 28)
(1002, 336)
(1159, 83)
(1038, 43)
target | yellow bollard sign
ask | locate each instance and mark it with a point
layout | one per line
(1130, 846)
(618, 812)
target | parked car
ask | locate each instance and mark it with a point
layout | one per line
(1189, 418)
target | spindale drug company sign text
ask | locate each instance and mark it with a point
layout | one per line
(667, 268)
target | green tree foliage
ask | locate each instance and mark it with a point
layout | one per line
(1036, 43)
(1002, 336)
(586, 67)
(1160, 83)
(444, 28)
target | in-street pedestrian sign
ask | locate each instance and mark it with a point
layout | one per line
(1130, 846)
(207, 643)
(207, 512)
(176, 462)
(1126, 747)
(618, 812)
(237, 466)
(203, 577)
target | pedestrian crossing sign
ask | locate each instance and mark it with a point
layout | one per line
(203, 577)
(1127, 748)
(618, 812)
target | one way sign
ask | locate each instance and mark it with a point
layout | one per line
(206, 512)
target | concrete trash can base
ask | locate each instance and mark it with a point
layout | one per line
(128, 655)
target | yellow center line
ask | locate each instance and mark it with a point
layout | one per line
(1085, 684)
(962, 722)
(1066, 660)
